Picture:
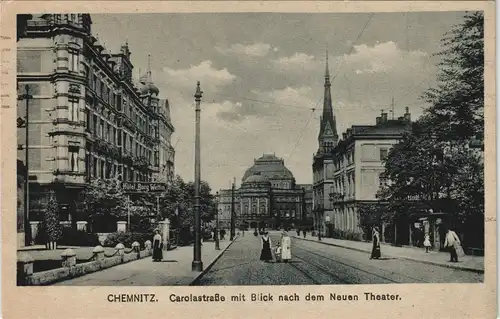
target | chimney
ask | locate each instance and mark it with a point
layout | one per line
(384, 117)
(344, 136)
(378, 120)
(407, 115)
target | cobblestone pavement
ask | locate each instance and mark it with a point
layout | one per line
(316, 263)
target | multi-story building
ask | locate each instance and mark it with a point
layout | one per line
(307, 215)
(225, 208)
(322, 161)
(86, 117)
(358, 167)
(268, 196)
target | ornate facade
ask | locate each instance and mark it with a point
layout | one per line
(268, 196)
(87, 118)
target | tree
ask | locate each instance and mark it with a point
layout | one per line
(433, 167)
(457, 103)
(105, 202)
(179, 197)
(51, 228)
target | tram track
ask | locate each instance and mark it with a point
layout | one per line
(350, 266)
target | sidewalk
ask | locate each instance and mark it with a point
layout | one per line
(174, 270)
(470, 263)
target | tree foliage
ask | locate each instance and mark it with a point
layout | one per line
(51, 228)
(179, 197)
(433, 166)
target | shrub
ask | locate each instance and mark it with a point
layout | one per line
(50, 229)
(73, 237)
(127, 238)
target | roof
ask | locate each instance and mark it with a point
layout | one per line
(270, 167)
(256, 178)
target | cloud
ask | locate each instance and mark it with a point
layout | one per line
(269, 104)
(384, 58)
(256, 50)
(380, 58)
(297, 62)
(211, 78)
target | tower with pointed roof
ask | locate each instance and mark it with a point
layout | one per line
(327, 137)
(322, 160)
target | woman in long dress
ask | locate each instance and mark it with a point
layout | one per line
(157, 246)
(286, 247)
(265, 253)
(376, 244)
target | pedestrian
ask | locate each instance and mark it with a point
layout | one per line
(286, 247)
(452, 242)
(427, 243)
(265, 253)
(304, 233)
(157, 246)
(376, 244)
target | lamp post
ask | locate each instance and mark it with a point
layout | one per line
(197, 264)
(232, 210)
(216, 233)
(24, 123)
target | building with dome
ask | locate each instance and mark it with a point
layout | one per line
(87, 117)
(267, 198)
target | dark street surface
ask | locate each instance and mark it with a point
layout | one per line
(315, 263)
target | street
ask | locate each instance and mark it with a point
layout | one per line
(317, 264)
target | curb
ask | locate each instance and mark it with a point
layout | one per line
(207, 268)
(476, 270)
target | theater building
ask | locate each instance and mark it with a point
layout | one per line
(268, 197)
(87, 117)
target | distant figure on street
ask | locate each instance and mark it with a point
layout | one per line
(376, 244)
(157, 246)
(265, 253)
(304, 233)
(427, 242)
(286, 247)
(452, 242)
(222, 234)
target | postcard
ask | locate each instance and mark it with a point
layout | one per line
(248, 159)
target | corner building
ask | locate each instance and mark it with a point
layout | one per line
(87, 117)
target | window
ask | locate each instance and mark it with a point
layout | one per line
(94, 124)
(73, 61)
(94, 168)
(101, 128)
(73, 158)
(89, 121)
(73, 110)
(383, 154)
(108, 130)
(119, 138)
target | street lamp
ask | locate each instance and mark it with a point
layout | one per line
(216, 233)
(197, 264)
(24, 123)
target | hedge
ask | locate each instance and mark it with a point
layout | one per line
(73, 237)
(127, 238)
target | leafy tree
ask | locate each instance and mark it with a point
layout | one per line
(179, 197)
(457, 103)
(433, 167)
(51, 228)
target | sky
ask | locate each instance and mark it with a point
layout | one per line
(262, 77)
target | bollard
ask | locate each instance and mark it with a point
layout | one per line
(98, 252)
(68, 258)
(24, 268)
(121, 249)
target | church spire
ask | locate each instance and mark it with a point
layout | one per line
(327, 137)
(327, 71)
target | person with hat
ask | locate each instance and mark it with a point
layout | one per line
(376, 244)
(157, 246)
(266, 254)
(286, 247)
